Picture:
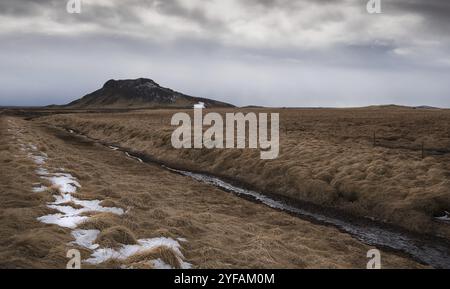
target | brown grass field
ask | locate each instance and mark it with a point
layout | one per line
(388, 163)
(219, 230)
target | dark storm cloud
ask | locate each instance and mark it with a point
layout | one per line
(173, 7)
(271, 52)
(434, 10)
(24, 7)
(435, 13)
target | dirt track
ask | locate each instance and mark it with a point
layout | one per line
(221, 230)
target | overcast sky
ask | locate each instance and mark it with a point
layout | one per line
(263, 52)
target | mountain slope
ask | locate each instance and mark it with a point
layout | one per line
(139, 93)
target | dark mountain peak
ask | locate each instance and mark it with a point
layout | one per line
(139, 93)
(130, 83)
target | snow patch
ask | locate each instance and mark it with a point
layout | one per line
(32, 147)
(42, 172)
(160, 264)
(86, 239)
(62, 198)
(66, 183)
(94, 205)
(71, 217)
(63, 220)
(39, 160)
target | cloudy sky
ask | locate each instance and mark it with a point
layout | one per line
(264, 52)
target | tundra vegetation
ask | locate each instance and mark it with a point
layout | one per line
(214, 229)
(387, 163)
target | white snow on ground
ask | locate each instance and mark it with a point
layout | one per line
(39, 160)
(160, 264)
(38, 157)
(94, 205)
(42, 172)
(87, 206)
(62, 198)
(71, 217)
(32, 147)
(101, 255)
(65, 183)
(86, 239)
(66, 221)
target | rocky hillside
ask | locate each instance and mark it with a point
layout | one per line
(139, 93)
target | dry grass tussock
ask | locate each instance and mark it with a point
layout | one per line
(163, 253)
(114, 237)
(367, 162)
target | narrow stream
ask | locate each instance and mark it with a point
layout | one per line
(431, 251)
(436, 254)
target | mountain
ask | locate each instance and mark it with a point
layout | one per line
(395, 106)
(426, 107)
(139, 93)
